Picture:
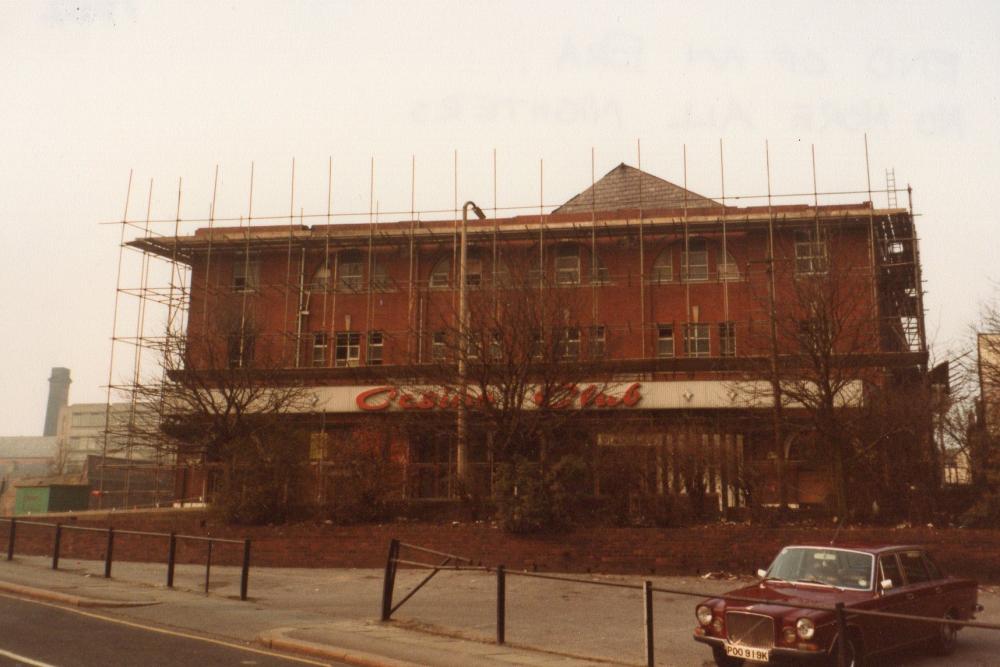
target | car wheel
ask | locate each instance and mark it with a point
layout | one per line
(723, 660)
(853, 655)
(947, 636)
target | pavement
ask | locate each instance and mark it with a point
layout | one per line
(331, 614)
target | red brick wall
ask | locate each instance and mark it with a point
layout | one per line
(680, 551)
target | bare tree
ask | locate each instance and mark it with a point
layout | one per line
(527, 359)
(221, 402)
(820, 330)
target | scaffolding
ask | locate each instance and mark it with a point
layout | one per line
(335, 252)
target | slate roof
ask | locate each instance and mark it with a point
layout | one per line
(619, 189)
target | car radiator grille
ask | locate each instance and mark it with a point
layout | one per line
(750, 629)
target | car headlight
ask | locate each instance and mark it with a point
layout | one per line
(704, 614)
(805, 628)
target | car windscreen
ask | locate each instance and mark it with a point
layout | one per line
(818, 565)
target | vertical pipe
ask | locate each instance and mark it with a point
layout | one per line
(389, 582)
(501, 604)
(647, 596)
(108, 553)
(776, 393)
(10, 538)
(245, 574)
(642, 260)
(208, 565)
(171, 558)
(55, 547)
(286, 329)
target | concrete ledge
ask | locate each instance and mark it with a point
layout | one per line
(66, 598)
(279, 639)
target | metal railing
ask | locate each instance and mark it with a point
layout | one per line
(843, 616)
(172, 539)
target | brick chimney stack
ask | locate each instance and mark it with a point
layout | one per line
(58, 397)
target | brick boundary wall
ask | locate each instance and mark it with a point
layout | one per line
(733, 548)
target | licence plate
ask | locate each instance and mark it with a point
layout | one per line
(748, 652)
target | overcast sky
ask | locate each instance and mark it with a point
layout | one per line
(170, 90)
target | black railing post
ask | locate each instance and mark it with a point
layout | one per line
(841, 636)
(647, 596)
(208, 565)
(108, 552)
(10, 538)
(55, 547)
(171, 558)
(245, 575)
(390, 579)
(501, 604)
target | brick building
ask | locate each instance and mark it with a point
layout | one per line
(688, 305)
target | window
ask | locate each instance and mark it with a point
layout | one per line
(380, 277)
(240, 352)
(348, 350)
(696, 340)
(599, 274)
(496, 346)
(727, 339)
(375, 340)
(440, 274)
(438, 347)
(810, 252)
(319, 446)
(350, 270)
(890, 570)
(663, 267)
(664, 340)
(473, 271)
(319, 349)
(567, 265)
(598, 342)
(913, 567)
(321, 279)
(571, 343)
(246, 274)
(537, 345)
(728, 269)
(695, 260)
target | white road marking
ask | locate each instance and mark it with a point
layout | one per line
(23, 659)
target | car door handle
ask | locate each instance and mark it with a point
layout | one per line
(938, 589)
(909, 596)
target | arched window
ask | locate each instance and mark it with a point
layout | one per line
(440, 274)
(694, 261)
(663, 267)
(350, 270)
(322, 278)
(728, 269)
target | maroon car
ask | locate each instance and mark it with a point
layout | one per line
(762, 627)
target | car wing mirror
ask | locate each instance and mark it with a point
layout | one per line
(886, 584)
(761, 573)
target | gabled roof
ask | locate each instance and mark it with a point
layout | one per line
(619, 189)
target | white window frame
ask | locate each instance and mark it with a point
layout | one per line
(697, 340)
(246, 274)
(570, 344)
(350, 270)
(347, 353)
(320, 344)
(696, 272)
(598, 341)
(665, 348)
(811, 255)
(440, 276)
(728, 269)
(439, 347)
(727, 339)
(376, 346)
(567, 265)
